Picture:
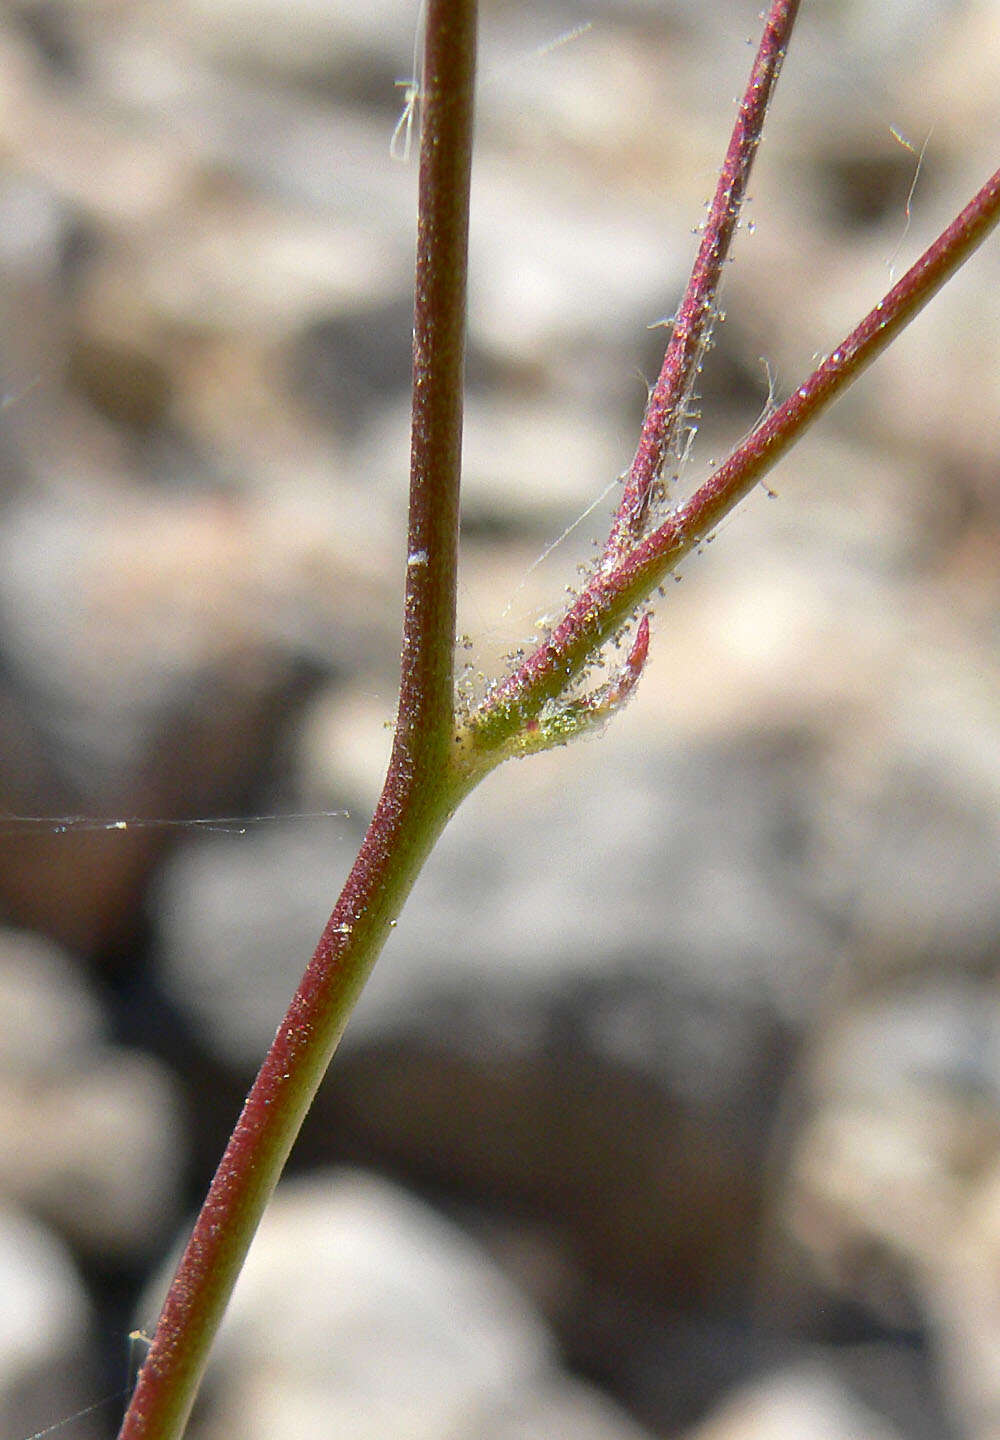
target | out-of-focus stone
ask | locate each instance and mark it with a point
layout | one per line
(548, 282)
(89, 1132)
(511, 1023)
(344, 743)
(304, 38)
(155, 647)
(526, 467)
(962, 1297)
(362, 1313)
(277, 886)
(46, 1365)
(807, 1403)
(49, 1019)
(901, 1120)
(483, 921)
(98, 1154)
(563, 1407)
(256, 271)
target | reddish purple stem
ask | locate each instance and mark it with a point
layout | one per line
(666, 413)
(618, 588)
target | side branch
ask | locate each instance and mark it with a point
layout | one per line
(661, 437)
(615, 592)
(753, 459)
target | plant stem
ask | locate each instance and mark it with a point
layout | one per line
(421, 789)
(428, 772)
(427, 689)
(666, 413)
(615, 592)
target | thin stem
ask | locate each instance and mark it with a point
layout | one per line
(761, 451)
(666, 412)
(420, 791)
(615, 592)
(427, 700)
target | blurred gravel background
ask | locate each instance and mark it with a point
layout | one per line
(674, 1106)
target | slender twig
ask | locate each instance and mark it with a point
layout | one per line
(765, 446)
(420, 790)
(667, 411)
(613, 595)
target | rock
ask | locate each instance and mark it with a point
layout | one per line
(344, 741)
(806, 1403)
(898, 1134)
(563, 1407)
(961, 1297)
(49, 1019)
(47, 1367)
(548, 281)
(98, 1154)
(90, 1132)
(730, 926)
(153, 650)
(277, 886)
(302, 39)
(362, 1313)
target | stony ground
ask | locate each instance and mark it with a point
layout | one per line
(674, 1106)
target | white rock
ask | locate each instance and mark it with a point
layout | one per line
(805, 1403)
(98, 1151)
(48, 1017)
(362, 1314)
(44, 1340)
(90, 1132)
(305, 37)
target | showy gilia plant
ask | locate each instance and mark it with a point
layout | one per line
(442, 748)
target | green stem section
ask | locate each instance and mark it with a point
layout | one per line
(421, 790)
